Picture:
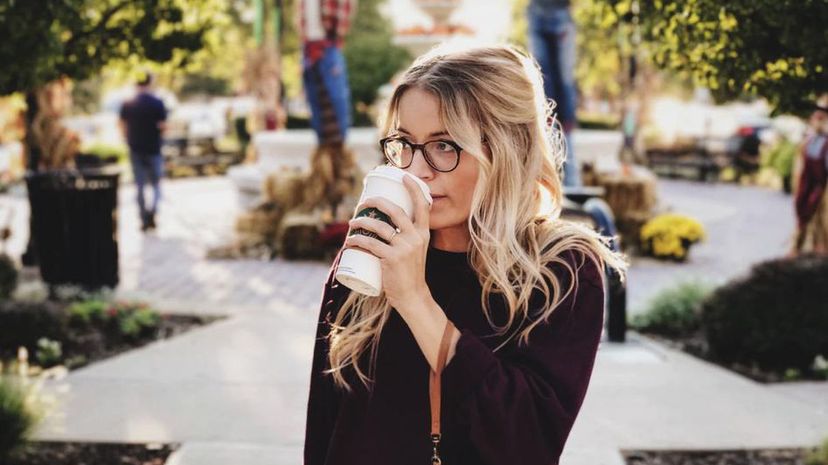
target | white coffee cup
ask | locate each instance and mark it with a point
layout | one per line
(358, 269)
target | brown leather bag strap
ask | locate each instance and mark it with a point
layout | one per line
(434, 391)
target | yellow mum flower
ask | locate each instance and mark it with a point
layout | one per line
(671, 235)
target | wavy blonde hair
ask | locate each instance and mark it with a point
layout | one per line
(493, 105)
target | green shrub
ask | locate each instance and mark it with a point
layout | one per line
(16, 418)
(603, 121)
(88, 311)
(820, 367)
(775, 319)
(70, 293)
(59, 334)
(371, 56)
(674, 311)
(134, 323)
(781, 157)
(24, 323)
(818, 456)
(8, 276)
(203, 84)
(104, 151)
(125, 319)
(49, 353)
(147, 317)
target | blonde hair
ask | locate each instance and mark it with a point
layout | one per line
(492, 104)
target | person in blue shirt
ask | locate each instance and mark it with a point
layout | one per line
(142, 121)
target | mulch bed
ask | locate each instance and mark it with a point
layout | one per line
(696, 346)
(170, 327)
(88, 453)
(720, 457)
(81, 344)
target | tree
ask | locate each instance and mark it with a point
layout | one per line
(372, 58)
(768, 48)
(49, 41)
(76, 38)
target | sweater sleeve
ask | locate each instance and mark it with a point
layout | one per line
(323, 399)
(519, 405)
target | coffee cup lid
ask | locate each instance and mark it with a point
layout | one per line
(396, 174)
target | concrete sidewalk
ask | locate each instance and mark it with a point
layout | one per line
(235, 392)
(238, 388)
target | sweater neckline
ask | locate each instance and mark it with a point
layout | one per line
(447, 252)
(447, 255)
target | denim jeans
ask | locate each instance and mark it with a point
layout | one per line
(334, 76)
(147, 168)
(552, 43)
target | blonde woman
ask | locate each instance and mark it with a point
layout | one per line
(490, 271)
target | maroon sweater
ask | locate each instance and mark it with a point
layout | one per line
(513, 406)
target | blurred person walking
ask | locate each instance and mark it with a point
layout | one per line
(552, 43)
(811, 199)
(747, 159)
(142, 121)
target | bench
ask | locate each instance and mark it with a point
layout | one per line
(673, 162)
(197, 154)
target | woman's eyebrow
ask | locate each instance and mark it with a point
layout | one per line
(433, 134)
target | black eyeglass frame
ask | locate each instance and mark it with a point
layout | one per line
(421, 147)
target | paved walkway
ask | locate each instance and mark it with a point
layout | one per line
(236, 391)
(744, 226)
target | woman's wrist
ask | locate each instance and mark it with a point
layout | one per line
(418, 301)
(427, 321)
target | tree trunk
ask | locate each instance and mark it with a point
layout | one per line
(31, 148)
(31, 152)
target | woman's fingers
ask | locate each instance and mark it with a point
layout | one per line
(371, 226)
(369, 244)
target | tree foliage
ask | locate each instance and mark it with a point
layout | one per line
(769, 48)
(372, 58)
(48, 39)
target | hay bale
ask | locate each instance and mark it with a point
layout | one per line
(299, 236)
(264, 220)
(633, 198)
(285, 187)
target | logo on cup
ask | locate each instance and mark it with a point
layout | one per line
(372, 212)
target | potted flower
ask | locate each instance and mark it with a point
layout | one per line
(670, 236)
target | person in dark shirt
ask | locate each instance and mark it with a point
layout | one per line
(747, 159)
(489, 280)
(811, 194)
(142, 121)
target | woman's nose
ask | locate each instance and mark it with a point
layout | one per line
(419, 167)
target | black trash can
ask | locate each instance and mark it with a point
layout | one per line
(75, 226)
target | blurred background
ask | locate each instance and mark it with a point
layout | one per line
(178, 328)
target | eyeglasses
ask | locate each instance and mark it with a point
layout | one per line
(442, 155)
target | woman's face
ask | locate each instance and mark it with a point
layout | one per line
(419, 122)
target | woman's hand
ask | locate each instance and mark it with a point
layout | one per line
(403, 258)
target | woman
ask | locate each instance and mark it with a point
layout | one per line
(811, 197)
(522, 288)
